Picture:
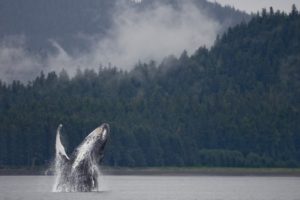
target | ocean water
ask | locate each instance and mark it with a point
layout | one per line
(158, 188)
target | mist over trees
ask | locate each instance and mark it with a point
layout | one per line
(72, 23)
(236, 104)
(38, 35)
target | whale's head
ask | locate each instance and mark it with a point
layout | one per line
(101, 136)
(92, 147)
(79, 172)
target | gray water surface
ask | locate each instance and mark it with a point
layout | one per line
(158, 188)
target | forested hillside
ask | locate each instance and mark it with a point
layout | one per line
(236, 104)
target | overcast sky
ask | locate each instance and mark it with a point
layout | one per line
(256, 5)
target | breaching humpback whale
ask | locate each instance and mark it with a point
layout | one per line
(79, 172)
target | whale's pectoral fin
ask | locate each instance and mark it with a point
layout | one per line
(61, 155)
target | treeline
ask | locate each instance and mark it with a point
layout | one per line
(235, 105)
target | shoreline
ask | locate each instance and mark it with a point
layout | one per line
(168, 171)
(177, 171)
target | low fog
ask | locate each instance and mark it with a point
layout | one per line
(136, 36)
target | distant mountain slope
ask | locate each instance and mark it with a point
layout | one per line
(71, 22)
(227, 16)
(61, 20)
(235, 105)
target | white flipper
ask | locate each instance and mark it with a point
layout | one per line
(60, 150)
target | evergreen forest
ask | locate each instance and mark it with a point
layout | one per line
(236, 104)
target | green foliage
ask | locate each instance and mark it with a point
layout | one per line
(235, 105)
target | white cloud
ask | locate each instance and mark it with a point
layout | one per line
(156, 33)
(146, 35)
(16, 63)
